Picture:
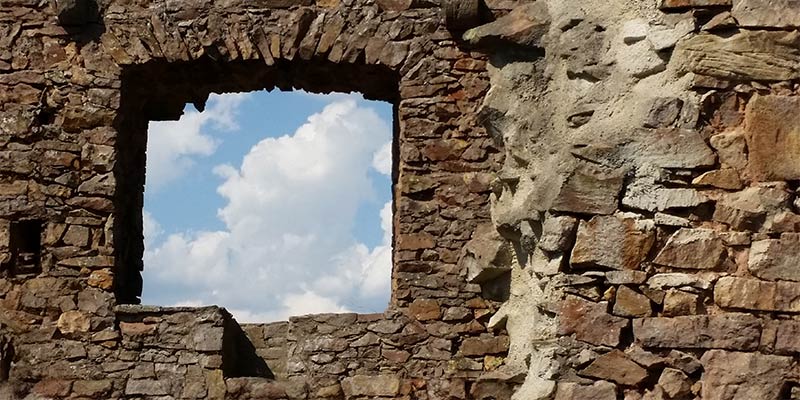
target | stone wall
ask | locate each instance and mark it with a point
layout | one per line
(649, 198)
(592, 201)
(79, 82)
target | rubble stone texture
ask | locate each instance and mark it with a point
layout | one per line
(593, 200)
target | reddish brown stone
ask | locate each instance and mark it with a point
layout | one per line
(590, 322)
(616, 242)
(753, 294)
(787, 337)
(673, 4)
(735, 375)
(693, 249)
(415, 241)
(52, 388)
(590, 190)
(615, 366)
(484, 345)
(600, 390)
(773, 143)
(425, 310)
(629, 303)
(92, 389)
(724, 331)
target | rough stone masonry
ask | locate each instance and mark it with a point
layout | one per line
(593, 200)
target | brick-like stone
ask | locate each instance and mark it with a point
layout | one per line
(74, 322)
(724, 331)
(774, 259)
(773, 145)
(589, 190)
(743, 376)
(484, 345)
(147, 387)
(615, 366)
(425, 309)
(590, 322)
(766, 13)
(362, 385)
(787, 337)
(679, 302)
(693, 249)
(92, 388)
(739, 56)
(616, 242)
(675, 383)
(754, 294)
(600, 390)
(679, 4)
(629, 303)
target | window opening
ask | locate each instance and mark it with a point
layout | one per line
(271, 204)
(26, 247)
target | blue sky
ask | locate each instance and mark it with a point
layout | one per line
(271, 204)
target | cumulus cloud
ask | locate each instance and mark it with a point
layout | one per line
(290, 208)
(172, 146)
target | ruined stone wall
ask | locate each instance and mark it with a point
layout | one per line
(593, 200)
(649, 200)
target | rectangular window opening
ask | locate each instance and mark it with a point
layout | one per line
(26, 247)
(271, 204)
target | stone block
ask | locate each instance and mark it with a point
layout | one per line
(674, 383)
(207, 338)
(481, 346)
(590, 190)
(766, 13)
(525, 25)
(669, 148)
(629, 303)
(678, 4)
(787, 337)
(590, 322)
(740, 56)
(372, 386)
(487, 255)
(723, 331)
(600, 390)
(92, 388)
(615, 366)
(678, 302)
(774, 259)
(773, 139)
(147, 387)
(754, 294)
(425, 310)
(558, 232)
(743, 376)
(73, 322)
(693, 249)
(754, 209)
(616, 242)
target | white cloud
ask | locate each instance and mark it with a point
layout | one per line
(172, 146)
(287, 247)
(151, 229)
(382, 160)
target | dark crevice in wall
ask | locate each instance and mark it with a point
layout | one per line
(6, 358)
